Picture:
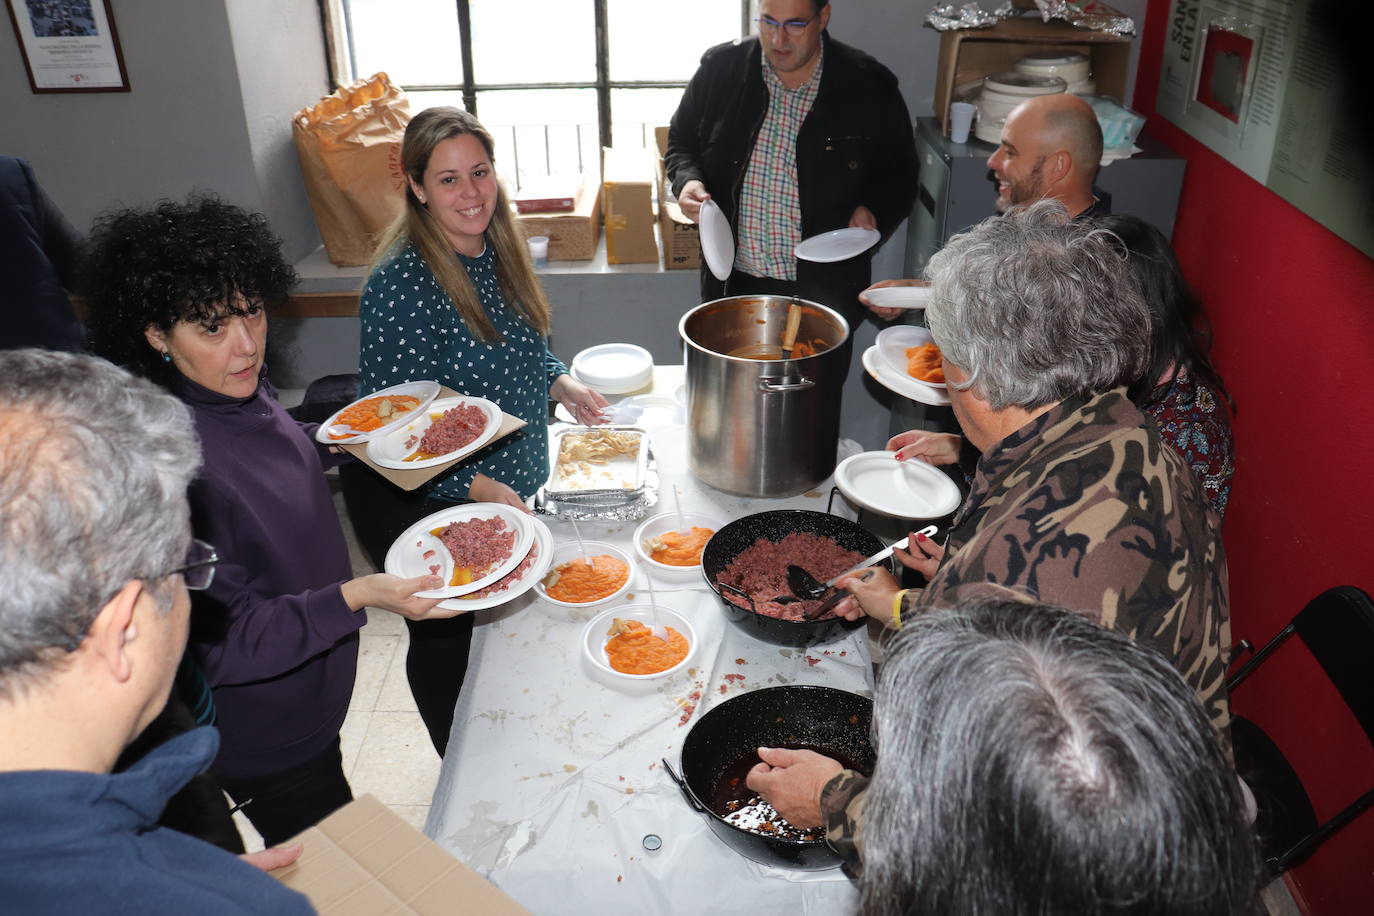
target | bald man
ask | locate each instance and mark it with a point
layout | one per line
(1051, 146)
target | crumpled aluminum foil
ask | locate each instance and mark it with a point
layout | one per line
(1085, 14)
(948, 17)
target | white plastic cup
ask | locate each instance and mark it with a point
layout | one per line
(539, 249)
(960, 121)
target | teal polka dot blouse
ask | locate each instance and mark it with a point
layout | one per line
(411, 330)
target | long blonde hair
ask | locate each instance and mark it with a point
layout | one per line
(514, 269)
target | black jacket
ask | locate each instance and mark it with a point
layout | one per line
(855, 147)
(39, 252)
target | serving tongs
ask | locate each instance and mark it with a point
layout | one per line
(808, 588)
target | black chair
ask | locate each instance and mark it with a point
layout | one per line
(1337, 627)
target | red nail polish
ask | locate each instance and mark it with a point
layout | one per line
(921, 537)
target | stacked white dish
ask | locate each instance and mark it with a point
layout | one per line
(1071, 67)
(614, 368)
(419, 552)
(886, 362)
(912, 489)
(1004, 91)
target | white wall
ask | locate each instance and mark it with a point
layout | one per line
(206, 110)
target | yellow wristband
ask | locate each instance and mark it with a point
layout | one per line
(897, 609)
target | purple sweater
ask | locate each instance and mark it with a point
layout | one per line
(276, 641)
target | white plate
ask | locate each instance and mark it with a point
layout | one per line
(426, 391)
(904, 385)
(407, 559)
(543, 544)
(899, 297)
(717, 241)
(614, 368)
(390, 450)
(649, 411)
(837, 244)
(902, 489)
(892, 345)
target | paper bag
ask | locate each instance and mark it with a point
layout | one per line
(350, 149)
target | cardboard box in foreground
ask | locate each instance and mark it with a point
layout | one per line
(363, 860)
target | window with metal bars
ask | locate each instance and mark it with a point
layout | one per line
(553, 80)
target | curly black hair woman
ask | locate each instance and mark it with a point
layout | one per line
(179, 293)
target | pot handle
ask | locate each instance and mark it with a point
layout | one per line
(741, 592)
(800, 383)
(686, 792)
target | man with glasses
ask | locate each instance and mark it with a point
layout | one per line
(792, 133)
(96, 557)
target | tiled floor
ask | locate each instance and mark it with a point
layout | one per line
(386, 750)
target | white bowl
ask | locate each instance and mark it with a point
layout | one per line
(614, 368)
(671, 521)
(569, 550)
(595, 637)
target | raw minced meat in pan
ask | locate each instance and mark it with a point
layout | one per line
(760, 571)
(457, 427)
(478, 544)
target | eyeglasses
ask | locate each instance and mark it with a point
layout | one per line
(199, 569)
(794, 27)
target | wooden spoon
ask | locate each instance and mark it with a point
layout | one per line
(789, 334)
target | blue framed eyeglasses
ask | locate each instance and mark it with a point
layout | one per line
(794, 27)
(199, 569)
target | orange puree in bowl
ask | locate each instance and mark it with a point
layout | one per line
(679, 548)
(578, 583)
(634, 649)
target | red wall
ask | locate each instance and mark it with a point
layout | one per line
(1292, 307)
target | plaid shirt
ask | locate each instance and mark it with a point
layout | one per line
(768, 226)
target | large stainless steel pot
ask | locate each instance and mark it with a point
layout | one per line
(762, 427)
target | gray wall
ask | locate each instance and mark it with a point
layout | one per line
(209, 108)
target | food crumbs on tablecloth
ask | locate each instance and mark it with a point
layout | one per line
(785, 653)
(813, 662)
(722, 688)
(812, 494)
(619, 878)
(569, 768)
(629, 790)
(740, 661)
(734, 678)
(854, 720)
(621, 778)
(687, 711)
(843, 653)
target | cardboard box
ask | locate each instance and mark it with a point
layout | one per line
(681, 240)
(968, 55)
(548, 194)
(363, 860)
(572, 236)
(628, 184)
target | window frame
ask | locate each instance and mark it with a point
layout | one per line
(339, 46)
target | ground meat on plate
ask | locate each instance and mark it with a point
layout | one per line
(457, 427)
(478, 544)
(761, 571)
(510, 578)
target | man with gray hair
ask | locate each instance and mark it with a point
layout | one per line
(1076, 500)
(999, 713)
(96, 557)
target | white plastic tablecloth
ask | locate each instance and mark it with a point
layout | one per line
(553, 776)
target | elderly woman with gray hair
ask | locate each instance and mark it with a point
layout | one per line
(1076, 501)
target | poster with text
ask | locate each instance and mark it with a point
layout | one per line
(69, 45)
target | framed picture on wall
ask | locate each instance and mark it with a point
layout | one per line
(69, 45)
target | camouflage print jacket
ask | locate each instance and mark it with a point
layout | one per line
(1086, 507)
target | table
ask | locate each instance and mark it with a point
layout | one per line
(553, 777)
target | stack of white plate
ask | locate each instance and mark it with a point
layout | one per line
(614, 368)
(418, 552)
(886, 362)
(1071, 67)
(1004, 91)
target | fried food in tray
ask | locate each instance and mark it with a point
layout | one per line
(600, 459)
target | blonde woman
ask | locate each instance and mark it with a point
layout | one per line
(453, 296)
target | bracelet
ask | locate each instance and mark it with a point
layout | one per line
(897, 609)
